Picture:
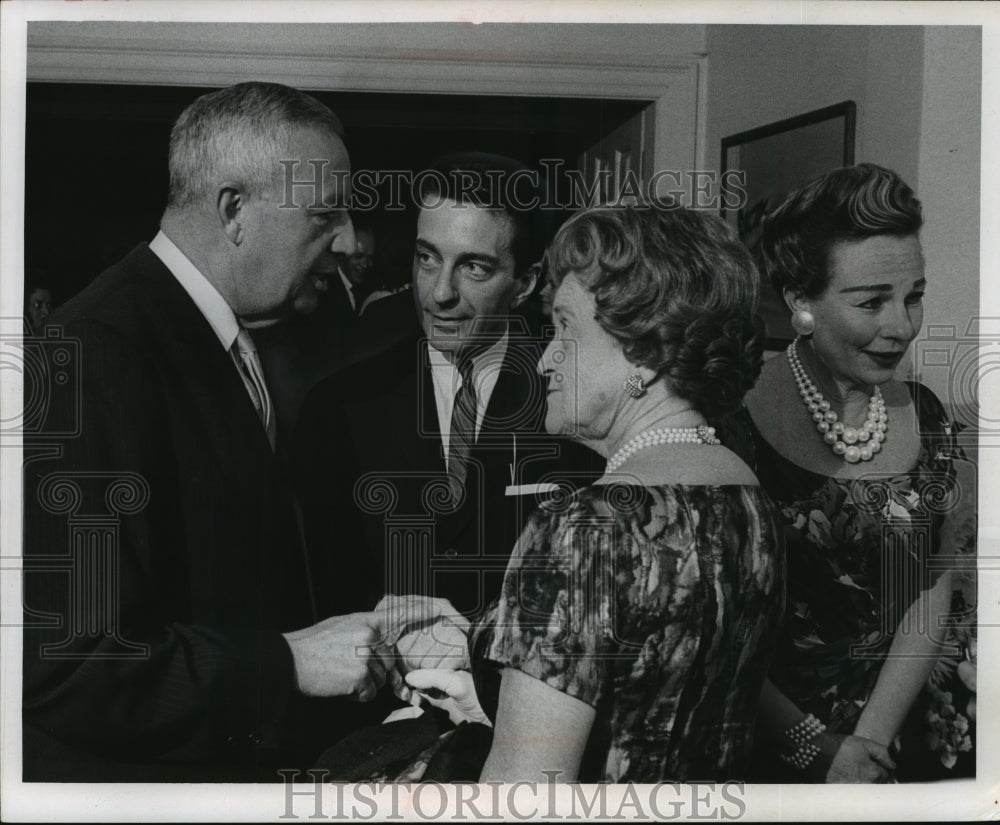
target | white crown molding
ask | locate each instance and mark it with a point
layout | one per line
(672, 85)
(455, 75)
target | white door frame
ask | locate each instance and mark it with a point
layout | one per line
(675, 86)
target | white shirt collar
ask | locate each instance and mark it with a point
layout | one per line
(205, 296)
(348, 288)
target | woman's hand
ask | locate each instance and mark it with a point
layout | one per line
(450, 690)
(854, 759)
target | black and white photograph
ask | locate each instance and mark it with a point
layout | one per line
(473, 410)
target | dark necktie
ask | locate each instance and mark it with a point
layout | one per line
(463, 431)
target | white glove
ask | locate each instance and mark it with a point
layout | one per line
(405, 712)
(450, 690)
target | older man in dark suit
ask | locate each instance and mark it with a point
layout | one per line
(418, 468)
(184, 643)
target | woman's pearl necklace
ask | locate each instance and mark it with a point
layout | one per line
(844, 441)
(701, 434)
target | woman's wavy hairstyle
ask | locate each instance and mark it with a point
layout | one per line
(848, 204)
(676, 289)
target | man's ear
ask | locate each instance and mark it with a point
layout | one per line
(229, 205)
(526, 284)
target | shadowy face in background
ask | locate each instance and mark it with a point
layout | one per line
(39, 307)
(358, 265)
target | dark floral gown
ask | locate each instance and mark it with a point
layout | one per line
(860, 551)
(659, 606)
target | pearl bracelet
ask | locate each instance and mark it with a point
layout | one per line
(808, 728)
(802, 758)
(802, 735)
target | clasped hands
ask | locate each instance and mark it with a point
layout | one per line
(433, 658)
(417, 637)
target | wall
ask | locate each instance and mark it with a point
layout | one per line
(950, 191)
(759, 74)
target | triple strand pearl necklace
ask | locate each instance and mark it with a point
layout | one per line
(702, 434)
(844, 441)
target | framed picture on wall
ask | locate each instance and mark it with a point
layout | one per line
(775, 159)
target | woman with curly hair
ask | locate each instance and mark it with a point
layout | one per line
(639, 615)
(863, 468)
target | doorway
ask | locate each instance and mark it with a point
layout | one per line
(96, 159)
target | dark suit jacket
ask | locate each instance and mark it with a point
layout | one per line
(304, 349)
(162, 556)
(372, 479)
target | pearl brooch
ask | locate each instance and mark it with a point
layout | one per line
(853, 444)
(701, 434)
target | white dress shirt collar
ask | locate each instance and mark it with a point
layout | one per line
(205, 296)
(349, 289)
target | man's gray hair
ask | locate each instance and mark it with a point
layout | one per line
(238, 134)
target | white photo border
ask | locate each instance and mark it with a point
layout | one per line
(959, 800)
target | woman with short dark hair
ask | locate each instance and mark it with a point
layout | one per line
(862, 467)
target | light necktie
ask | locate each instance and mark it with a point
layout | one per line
(253, 379)
(358, 296)
(463, 431)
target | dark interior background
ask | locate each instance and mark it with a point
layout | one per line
(96, 160)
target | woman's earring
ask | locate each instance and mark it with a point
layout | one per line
(803, 322)
(635, 386)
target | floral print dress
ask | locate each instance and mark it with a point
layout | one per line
(860, 551)
(659, 606)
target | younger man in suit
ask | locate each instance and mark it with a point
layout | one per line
(415, 467)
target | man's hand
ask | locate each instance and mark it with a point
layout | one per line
(850, 759)
(342, 656)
